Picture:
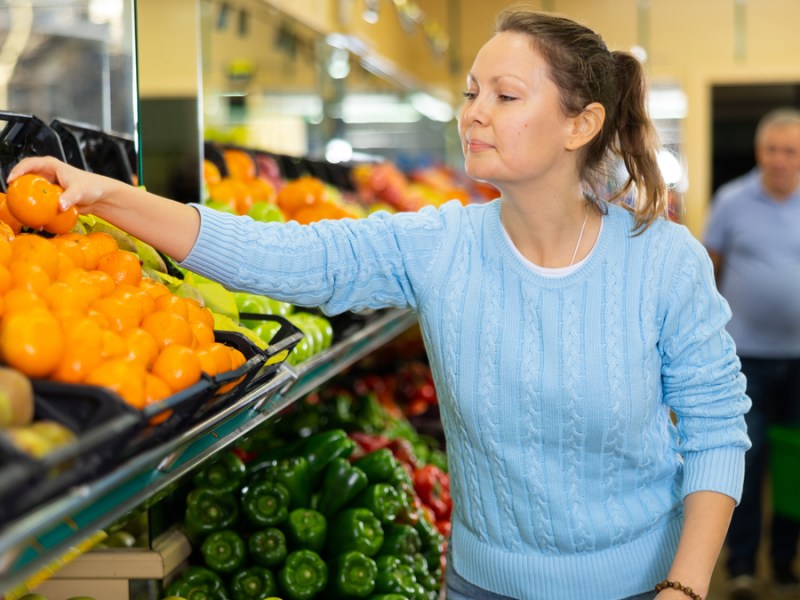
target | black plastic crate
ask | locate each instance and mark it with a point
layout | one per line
(279, 347)
(102, 424)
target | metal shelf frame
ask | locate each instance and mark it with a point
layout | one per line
(32, 542)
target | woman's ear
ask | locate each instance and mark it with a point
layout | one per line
(586, 126)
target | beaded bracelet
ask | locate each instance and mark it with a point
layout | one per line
(676, 585)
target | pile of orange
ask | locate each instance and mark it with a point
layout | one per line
(306, 200)
(75, 308)
(241, 188)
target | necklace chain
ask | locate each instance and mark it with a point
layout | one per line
(580, 236)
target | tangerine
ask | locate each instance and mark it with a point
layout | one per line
(33, 200)
(122, 376)
(21, 299)
(240, 164)
(168, 328)
(153, 287)
(65, 297)
(219, 352)
(155, 390)
(5, 279)
(5, 251)
(211, 172)
(6, 233)
(28, 276)
(32, 341)
(178, 366)
(300, 193)
(63, 222)
(32, 248)
(196, 312)
(122, 266)
(77, 247)
(6, 216)
(142, 346)
(103, 242)
(201, 332)
(172, 303)
(208, 364)
(81, 355)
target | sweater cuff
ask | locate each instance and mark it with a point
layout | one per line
(210, 256)
(715, 470)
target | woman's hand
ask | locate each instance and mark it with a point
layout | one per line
(87, 191)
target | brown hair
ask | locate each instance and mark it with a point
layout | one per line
(585, 71)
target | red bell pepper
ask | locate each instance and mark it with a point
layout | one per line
(433, 486)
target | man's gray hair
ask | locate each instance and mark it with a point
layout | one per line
(778, 117)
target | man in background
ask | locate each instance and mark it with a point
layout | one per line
(753, 238)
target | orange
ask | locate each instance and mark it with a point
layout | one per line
(65, 263)
(196, 312)
(178, 366)
(29, 247)
(122, 376)
(28, 276)
(63, 221)
(201, 332)
(172, 303)
(168, 328)
(262, 190)
(33, 200)
(81, 355)
(240, 164)
(6, 233)
(300, 193)
(121, 314)
(211, 172)
(142, 346)
(155, 390)
(208, 364)
(219, 352)
(5, 251)
(102, 281)
(113, 344)
(6, 216)
(103, 242)
(237, 358)
(132, 293)
(32, 341)
(5, 279)
(83, 280)
(66, 297)
(153, 287)
(74, 246)
(21, 299)
(122, 266)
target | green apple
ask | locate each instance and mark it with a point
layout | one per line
(220, 206)
(325, 328)
(278, 307)
(300, 353)
(266, 212)
(120, 539)
(305, 323)
(252, 303)
(33, 597)
(266, 330)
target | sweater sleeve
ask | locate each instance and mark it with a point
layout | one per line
(338, 265)
(702, 381)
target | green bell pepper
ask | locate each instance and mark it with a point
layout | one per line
(253, 583)
(223, 551)
(352, 575)
(379, 465)
(267, 547)
(382, 499)
(320, 449)
(355, 529)
(265, 503)
(395, 577)
(207, 511)
(303, 575)
(369, 414)
(224, 474)
(401, 540)
(341, 483)
(388, 597)
(306, 529)
(292, 473)
(197, 583)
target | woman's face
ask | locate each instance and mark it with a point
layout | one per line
(512, 127)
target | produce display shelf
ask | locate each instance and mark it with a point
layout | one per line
(32, 542)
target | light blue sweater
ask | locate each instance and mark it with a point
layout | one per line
(567, 472)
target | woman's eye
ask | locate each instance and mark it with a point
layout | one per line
(469, 95)
(505, 98)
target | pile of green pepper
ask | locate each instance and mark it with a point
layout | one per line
(307, 520)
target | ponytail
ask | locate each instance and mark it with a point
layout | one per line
(636, 142)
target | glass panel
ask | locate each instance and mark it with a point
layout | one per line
(70, 60)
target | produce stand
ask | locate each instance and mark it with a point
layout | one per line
(33, 541)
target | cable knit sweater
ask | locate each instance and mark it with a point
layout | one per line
(566, 469)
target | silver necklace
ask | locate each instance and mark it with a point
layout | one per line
(580, 236)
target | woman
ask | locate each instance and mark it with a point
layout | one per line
(562, 330)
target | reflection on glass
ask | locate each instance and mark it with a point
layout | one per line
(69, 59)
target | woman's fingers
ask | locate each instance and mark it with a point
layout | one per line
(46, 166)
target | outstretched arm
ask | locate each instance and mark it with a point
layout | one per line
(167, 225)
